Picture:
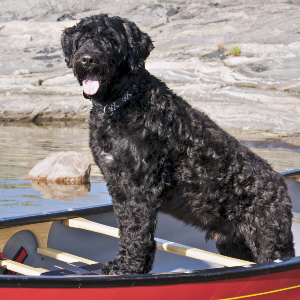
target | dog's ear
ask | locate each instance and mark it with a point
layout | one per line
(139, 46)
(67, 44)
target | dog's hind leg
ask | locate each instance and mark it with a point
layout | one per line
(137, 219)
(234, 247)
(229, 243)
(269, 237)
(259, 247)
(286, 248)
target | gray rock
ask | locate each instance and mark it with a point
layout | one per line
(21, 72)
(62, 167)
(256, 91)
(293, 140)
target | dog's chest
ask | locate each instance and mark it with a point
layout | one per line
(113, 144)
(106, 157)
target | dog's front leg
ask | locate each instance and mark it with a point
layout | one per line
(137, 218)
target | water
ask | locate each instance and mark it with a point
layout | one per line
(24, 145)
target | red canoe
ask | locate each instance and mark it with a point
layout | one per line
(58, 255)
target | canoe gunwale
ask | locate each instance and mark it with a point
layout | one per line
(199, 276)
(291, 173)
(56, 215)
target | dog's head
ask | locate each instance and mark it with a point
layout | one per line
(100, 48)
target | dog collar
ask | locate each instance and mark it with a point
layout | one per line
(109, 109)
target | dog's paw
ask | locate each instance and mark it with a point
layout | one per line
(111, 268)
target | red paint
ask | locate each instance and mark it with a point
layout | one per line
(204, 291)
(20, 258)
(2, 256)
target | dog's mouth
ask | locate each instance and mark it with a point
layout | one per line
(91, 84)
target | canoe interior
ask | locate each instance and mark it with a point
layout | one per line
(101, 248)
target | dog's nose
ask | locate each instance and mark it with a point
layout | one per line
(87, 60)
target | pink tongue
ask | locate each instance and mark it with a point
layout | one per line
(91, 84)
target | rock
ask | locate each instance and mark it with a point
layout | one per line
(293, 140)
(257, 91)
(61, 80)
(21, 72)
(62, 167)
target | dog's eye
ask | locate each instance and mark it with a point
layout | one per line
(112, 42)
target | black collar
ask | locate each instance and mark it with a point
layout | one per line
(109, 109)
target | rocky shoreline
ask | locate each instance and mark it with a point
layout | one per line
(258, 91)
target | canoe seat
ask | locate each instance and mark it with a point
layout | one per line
(296, 217)
(69, 265)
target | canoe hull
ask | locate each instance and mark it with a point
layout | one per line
(282, 285)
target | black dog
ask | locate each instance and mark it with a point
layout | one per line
(158, 153)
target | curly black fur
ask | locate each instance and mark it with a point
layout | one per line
(158, 153)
